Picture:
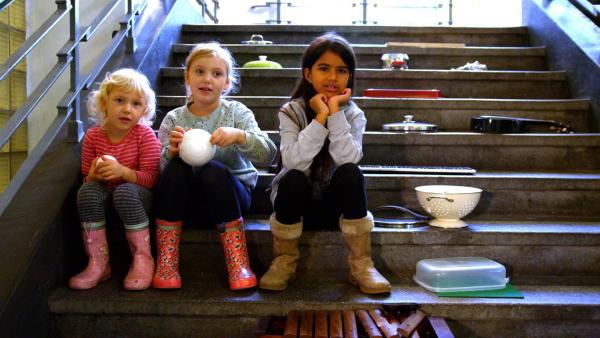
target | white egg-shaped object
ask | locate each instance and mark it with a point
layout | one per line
(196, 149)
(107, 157)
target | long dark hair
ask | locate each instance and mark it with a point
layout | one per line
(330, 41)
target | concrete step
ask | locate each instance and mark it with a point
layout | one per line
(453, 84)
(517, 152)
(205, 307)
(511, 243)
(524, 196)
(447, 114)
(369, 56)
(299, 34)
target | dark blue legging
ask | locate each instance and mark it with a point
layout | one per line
(345, 196)
(202, 196)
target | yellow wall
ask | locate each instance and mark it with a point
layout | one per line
(12, 89)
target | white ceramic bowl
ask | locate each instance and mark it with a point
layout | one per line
(448, 203)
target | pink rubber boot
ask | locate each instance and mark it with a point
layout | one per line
(97, 269)
(140, 273)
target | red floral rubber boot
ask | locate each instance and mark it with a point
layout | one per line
(167, 263)
(233, 240)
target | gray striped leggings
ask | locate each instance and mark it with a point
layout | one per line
(131, 201)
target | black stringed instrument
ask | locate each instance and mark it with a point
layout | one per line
(511, 125)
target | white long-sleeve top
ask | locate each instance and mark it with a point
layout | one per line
(301, 140)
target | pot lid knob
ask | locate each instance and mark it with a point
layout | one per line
(408, 119)
(257, 38)
(262, 57)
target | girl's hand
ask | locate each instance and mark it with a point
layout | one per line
(92, 175)
(175, 138)
(335, 102)
(318, 103)
(226, 136)
(110, 170)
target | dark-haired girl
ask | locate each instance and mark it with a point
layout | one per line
(320, 184)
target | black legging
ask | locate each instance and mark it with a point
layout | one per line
(131, 201)
(345, 196)
(206, 195)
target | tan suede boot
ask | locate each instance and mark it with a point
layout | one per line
(285, 255)
(357, 233)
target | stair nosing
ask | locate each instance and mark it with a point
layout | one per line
(420, 74)
(363, 49)
(256, 303)
(442, 102)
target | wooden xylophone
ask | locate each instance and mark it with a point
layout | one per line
(359, 323)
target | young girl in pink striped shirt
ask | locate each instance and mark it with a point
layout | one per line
(119, 162)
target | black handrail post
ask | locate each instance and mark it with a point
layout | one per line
(364, 4)
(130, 45)
(215, 7)
(449, 12)
(75, 127)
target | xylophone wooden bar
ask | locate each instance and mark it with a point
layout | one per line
(321, 324)
(336, 328)
(359, 323)
(368, 324)
(350, 330)
(306, 324)
(291, 325)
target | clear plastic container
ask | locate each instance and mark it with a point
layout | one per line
(460, 274)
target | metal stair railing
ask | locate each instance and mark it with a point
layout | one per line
(68, 57)
(277, 4)
(206, 11)
(4, 4)
(364, 5)
(589, 8)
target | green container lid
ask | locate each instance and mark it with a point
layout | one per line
(262, 62)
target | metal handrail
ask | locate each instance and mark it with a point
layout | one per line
(364, 4)
(102, 16)
(278, 5)
(205, 11)
(33, 40)
(68, 58)
(4, 4)
(588, 9)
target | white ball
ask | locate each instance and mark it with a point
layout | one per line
(196, 149)
(108, 157)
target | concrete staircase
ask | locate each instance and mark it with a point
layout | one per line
(538, 214)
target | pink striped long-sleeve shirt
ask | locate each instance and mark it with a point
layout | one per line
(139, 150)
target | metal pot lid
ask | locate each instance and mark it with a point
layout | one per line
(257, 39)
(408, 125)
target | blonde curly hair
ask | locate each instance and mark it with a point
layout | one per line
(128, 80)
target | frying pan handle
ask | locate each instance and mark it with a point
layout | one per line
(401, 209)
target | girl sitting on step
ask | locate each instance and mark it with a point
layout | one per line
(320, 184)
(119, 163)
(219, 192)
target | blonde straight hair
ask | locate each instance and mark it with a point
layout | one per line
(214, 49)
